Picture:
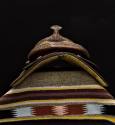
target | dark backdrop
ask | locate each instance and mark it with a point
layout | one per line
(24, 22)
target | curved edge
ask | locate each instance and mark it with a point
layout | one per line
(65, 56)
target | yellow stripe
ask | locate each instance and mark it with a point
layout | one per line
(58, 101)
(54, 88)
(80, 117)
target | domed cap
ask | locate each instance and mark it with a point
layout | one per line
(54, 43)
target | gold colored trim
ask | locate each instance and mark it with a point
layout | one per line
(54, 88)
(31, 69)
(58, 101)
(67, 57)
(86, 67)
(80, 117)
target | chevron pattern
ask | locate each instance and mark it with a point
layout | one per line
(60, 110)
(91, 109)
(23, 112)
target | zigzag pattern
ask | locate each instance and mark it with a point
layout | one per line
(23, 112)
(60, 110)
(91, 109)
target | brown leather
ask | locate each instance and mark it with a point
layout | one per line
(56, 42)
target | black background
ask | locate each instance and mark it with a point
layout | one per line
(24, 22)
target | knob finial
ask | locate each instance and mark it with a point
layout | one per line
(56, 28)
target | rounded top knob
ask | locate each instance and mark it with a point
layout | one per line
(56, 28)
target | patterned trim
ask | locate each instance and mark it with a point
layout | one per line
(57, 101)
(55, 88)
(89, 109)
(23, 112)
(59, 110)
(85, 111)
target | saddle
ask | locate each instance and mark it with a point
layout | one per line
(59, 82)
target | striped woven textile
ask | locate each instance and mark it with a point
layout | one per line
(55, 94)
(64, 102)
(76, 95)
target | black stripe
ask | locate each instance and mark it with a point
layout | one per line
(6, 114)
(110, 110)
